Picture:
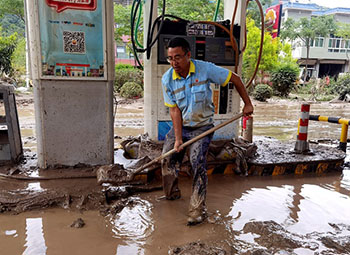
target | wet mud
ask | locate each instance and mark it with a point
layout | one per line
(247, 215)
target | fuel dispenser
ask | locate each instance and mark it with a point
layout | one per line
(208, 42)
(72, 68)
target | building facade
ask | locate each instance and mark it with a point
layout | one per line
(328, 56)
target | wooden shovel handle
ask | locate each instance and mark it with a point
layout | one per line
(188, 143)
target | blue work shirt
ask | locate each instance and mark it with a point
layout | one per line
(193, 94)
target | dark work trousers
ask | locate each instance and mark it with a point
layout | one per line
(197, 155)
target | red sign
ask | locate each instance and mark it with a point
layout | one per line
(273, 20)
(61, 5)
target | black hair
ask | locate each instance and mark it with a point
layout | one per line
(179, 42)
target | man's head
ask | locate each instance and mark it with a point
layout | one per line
(179, 55)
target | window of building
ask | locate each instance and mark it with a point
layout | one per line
(318, 42)
(338, 45)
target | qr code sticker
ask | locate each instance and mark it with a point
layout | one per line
(73, 42)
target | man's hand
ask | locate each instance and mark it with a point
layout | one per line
(177, 145)
(248, 109)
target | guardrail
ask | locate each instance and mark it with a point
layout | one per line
(302, 145)
(344, 128)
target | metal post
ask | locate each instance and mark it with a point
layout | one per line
(248, 128)
(302, 144)
(343, 137)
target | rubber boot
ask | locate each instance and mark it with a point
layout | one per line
(197, 212)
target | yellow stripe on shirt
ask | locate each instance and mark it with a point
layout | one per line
(170, 105)
(227, 79)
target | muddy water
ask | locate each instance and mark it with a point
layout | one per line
(276, 215)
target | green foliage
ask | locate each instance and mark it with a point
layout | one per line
(253, 10)
(7, 47)
(274, 52)
(343, 30)
(316, 90)
(342, 86)
(131, 90)
(11, 23)
(15, 7)
(262, 92)
(122, 20)
(307, 29)
(19, 58)
(127, 75)
(192, 9)
(123, 66)
(283, 79)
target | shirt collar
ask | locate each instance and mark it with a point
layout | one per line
(192, 70)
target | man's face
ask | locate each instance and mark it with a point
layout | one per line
(179, 60)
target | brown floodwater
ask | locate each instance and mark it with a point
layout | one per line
(289, 214)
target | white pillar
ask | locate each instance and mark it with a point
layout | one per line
(74, 117)
(151, 78)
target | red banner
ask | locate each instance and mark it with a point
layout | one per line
(273, 20)
(61, 5)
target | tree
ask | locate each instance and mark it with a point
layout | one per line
(253, 10)
(11, 23)
(307, 30)
(271, 49)
(7, 47)
(192, 9)
(122, 21)
(343, 30)
(15, 7)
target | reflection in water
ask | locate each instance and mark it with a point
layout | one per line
(130, 249)
(345, 182)
(134, 223)
(34, 186)
(35, 241)
(320, 207)
(11, 233)
(301, 209)
(258, 204)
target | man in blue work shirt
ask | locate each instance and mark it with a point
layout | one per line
(187, 92)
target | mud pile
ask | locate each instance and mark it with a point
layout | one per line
(270, 238)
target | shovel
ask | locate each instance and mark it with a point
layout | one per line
(130, 176)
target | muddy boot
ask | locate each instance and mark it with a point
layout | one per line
(170, 187)
(196, 214)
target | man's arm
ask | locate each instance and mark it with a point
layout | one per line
(248, 106)
(176, 118)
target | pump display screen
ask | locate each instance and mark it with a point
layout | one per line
(206, 41)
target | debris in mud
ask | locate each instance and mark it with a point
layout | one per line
(141, 146)
(329, 242)
(18, 201)
(117, 192)
(78, 223)
(272, 238)
(274, 152)
(272, 235)
(111, 173)
(117, 206)
(195, 248)
(236, 151)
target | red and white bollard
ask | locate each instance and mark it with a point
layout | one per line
(302, 145)
(247, 128)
